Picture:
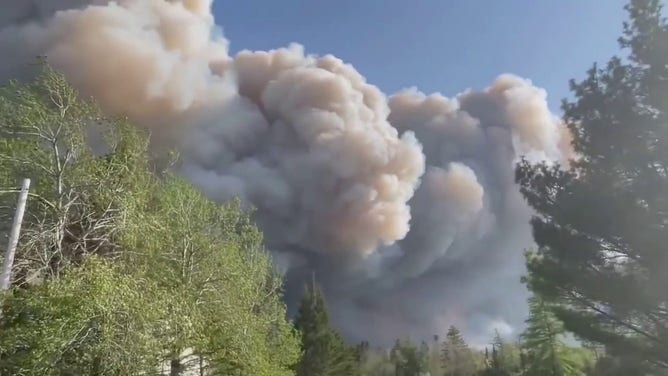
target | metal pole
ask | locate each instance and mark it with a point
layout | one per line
(14, 237)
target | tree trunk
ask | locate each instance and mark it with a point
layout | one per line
(175, 366)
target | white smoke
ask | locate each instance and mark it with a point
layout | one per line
(405, 206)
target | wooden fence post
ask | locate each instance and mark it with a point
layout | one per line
(8, 263)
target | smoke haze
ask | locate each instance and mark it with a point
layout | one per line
(405, 206)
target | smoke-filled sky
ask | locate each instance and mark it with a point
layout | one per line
(402, 202)
(446, 46)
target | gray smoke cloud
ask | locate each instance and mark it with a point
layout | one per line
(405, 206)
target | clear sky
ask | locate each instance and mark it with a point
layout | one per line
(437, 45)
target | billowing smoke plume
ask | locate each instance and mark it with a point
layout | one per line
(404, 206)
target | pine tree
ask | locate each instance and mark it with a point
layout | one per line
(457, 356)
(424, 353)
(362, 352)
(324, 350)
(507, 354)
(600, 225)
(621, 366)
(494, 364)
(408, 359)
(547, 355)
(435, 365)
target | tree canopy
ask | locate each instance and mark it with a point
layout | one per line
(457, 357)
(600, 225)
(123, 266)
(324, 350)
(543, 341)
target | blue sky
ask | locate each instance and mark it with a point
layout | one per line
(437, 45)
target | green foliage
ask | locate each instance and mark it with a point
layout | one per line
(458, 359)
(504, 359)
(547, 354)
(601, 226)
(622, 365)
(187, 275)
(225, 298)
(122, 267)
(434, 362)
(408, 359)
(77, 198)
(94, 320)
(374, 361)
(505, 356)
(324, 351)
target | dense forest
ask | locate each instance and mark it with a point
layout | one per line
(123, 268)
